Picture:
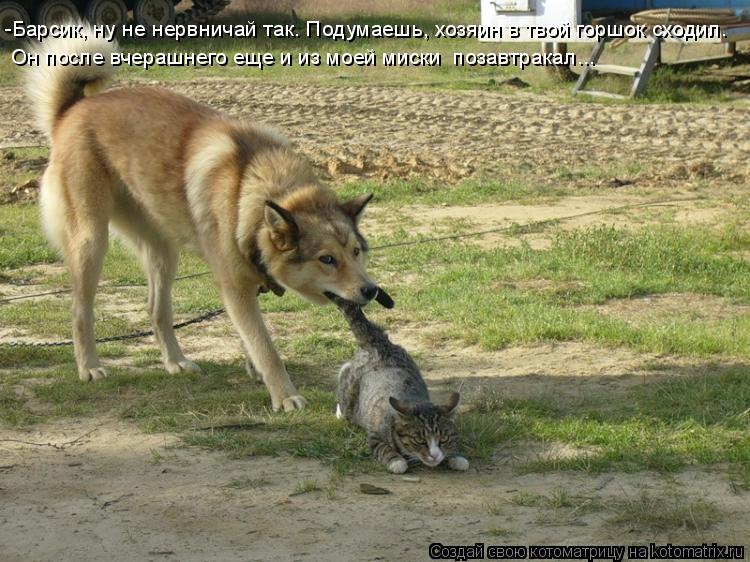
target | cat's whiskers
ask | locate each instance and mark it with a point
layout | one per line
(411, 459)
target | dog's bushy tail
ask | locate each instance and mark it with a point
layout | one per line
(369, 336)
(53, 88)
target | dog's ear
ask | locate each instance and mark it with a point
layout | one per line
(451, 406)
(401, 407)
(356, 207)
(282, 226)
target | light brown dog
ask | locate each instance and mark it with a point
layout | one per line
(164, 172)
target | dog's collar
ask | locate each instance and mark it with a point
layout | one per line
(269, 283)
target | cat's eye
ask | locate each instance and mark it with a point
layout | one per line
(356, 251)
(328, 260)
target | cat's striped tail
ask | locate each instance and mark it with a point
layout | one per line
(369, 336)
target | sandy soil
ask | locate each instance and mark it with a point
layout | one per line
(119, 494)
(385, 132)
(490, 224)
(672, 305)
(109, 490)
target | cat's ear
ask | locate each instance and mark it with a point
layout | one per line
(401, 407)
(451, 406)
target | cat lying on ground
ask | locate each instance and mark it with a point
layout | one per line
(382, 391)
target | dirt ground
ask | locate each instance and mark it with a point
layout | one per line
(384, 133)
(116, 493)
(119, 494)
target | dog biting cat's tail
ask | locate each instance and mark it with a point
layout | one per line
(368, 336)
(55, 84)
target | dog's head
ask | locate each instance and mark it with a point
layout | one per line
(315, 248)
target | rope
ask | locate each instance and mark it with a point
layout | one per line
(213, 313)
(34, 295)
(133, 335)
(118, 286)
(686, 16)
(398, 244)
(682, 16)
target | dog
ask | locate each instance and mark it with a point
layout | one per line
(163, 172)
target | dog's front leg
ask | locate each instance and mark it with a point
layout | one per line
(249, 367)
(242, 307)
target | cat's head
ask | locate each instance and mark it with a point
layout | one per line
(426, 431)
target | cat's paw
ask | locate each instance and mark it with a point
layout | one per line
(397, 466)
(339, 414)
(458, 463)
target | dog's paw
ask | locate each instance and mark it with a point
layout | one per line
(291, 403)
(458, 463)
(397, 466)
(93, 374)
(184, 366)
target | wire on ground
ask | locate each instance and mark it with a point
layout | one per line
(214, 313)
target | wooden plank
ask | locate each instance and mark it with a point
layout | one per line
(653, 54)
(596, 53)
(616, 69)
(600, 94)
(735, 33)
(701, 60)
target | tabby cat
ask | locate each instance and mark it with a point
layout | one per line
(382, 391)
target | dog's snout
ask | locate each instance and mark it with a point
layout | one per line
(369, 291)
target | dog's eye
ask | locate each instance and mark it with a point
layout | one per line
(328, 260)
(356, 251)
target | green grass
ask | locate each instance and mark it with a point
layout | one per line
(470, 295)
(314, 433)
(556, 508)
(13, 408)
(22, 242)
(305, 487)
(657, 513)
(498, 532)
(21, 238)
(494, 508)
(219, 409)
(20, 358)
(19, 166)
(480, 294)
(664, 426)
(640, 513)
(427, 191)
